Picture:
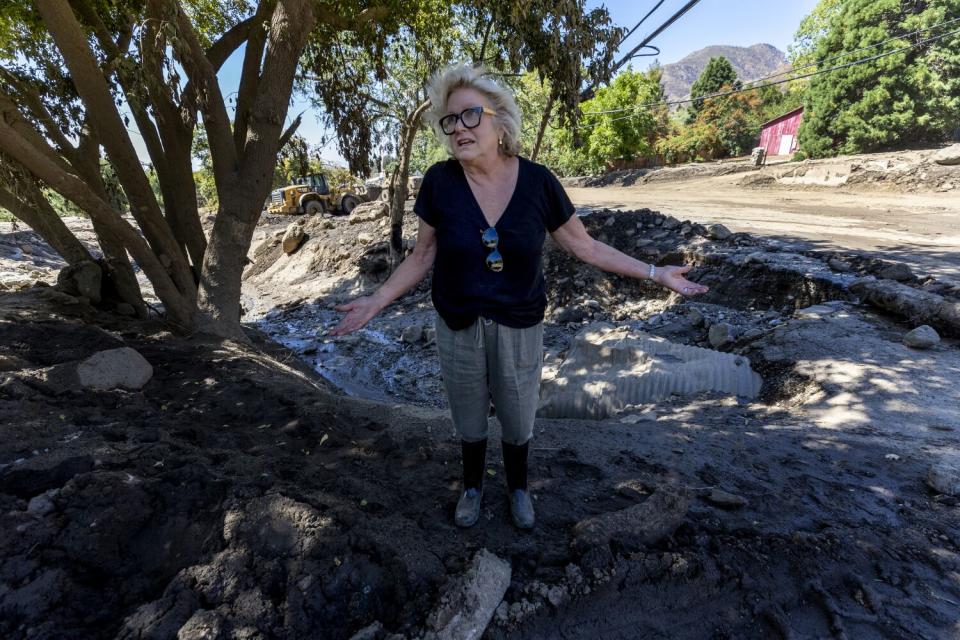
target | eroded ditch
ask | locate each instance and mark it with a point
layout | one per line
(756, 285)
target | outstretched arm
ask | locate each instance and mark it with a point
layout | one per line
(573, 237)
(411, 271)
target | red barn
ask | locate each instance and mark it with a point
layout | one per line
(779, 136)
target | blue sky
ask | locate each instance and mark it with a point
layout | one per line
(732, 22)
(728, 22)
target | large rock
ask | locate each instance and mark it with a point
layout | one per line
(293, 237)
(642, 524)
(944, 475)
(468, 602)
(115, 368)
(948, 156)
(412, 334)
(897, 271)
(718, 232)
(923, 337)
(720, 334)
(608, 369)
(369, 211)
(81, 279)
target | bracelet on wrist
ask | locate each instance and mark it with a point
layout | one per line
(652, 273)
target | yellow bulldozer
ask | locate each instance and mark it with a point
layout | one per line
(311, 194)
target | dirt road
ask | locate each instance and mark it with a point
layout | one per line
(922, 230)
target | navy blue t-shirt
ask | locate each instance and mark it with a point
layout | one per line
(464, 288)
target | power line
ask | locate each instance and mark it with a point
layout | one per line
(642, 20)
(587, 93)
(723, 94)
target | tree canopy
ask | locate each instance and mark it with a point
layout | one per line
(70, 73)
(718, 73)
(909, 97)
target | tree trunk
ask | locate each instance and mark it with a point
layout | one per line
(398, 183)
(118, 272)
(40, 216)
(242, 192)
(543, 127)
(220, 280)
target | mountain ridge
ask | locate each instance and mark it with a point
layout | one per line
(750, 63)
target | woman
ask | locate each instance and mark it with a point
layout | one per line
(484, 215)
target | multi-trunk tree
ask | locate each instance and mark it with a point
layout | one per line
(70, 71)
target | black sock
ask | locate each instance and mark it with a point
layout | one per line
(515, 465)
(474, 456)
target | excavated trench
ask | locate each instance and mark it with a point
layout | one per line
(755, 285)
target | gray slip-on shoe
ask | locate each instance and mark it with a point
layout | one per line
(521, 509)
(468, 508)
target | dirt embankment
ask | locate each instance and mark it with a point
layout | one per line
(238, 495)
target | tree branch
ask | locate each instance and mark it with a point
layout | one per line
(210, 99)
(250, 75)
(285, 137)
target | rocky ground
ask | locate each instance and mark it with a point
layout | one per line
(307, 489)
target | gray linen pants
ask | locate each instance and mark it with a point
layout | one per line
(488, 360)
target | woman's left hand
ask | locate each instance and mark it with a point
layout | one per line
(672, 278)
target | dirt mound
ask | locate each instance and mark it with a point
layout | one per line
(909, 172)
(630, 177)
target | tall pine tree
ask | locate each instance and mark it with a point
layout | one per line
(718, 73)
(906, 98)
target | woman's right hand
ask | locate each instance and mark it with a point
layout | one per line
(359, 312)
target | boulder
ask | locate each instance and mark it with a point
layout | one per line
(204, 624)
(467, 602)
(839, 265)
(81, 279)
(121, 368)
(412, 334)
(720, 334)
(43, 504)
(293, 237)
(369, 211)
(944, 475)
(718, 232)
(898, 271)
(948, 156)
(923, 337)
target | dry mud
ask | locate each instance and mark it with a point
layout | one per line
(308, 491)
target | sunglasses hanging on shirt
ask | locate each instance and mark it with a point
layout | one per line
(490, 240)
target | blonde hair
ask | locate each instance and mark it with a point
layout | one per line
(465, 76)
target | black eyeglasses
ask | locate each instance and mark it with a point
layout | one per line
(490, 240)
(469, 117)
